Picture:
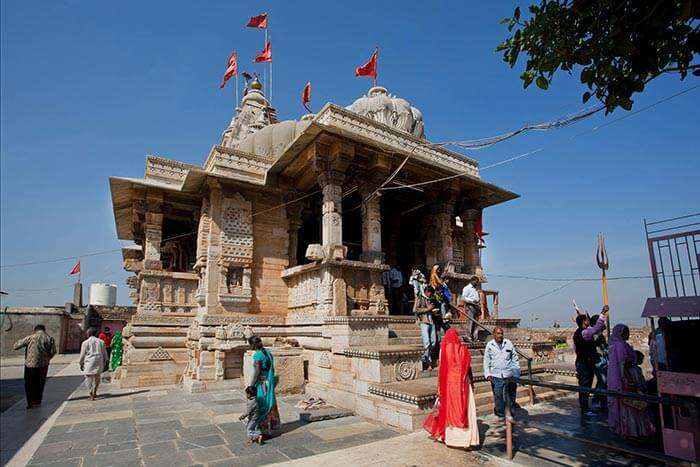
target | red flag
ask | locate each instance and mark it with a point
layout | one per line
(231, 69)
(76, 269)
(369, 68)
(265, 55)
(259, 21)
(306, 95)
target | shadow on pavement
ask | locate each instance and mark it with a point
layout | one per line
(18, 424)
(108, 395)
(544, 448)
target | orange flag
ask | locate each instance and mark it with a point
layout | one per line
(306, 96)
(76, 269)
(259, 21)
(265, 55)
(369, 68)
(231, 69)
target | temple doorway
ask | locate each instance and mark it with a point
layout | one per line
(403, 238)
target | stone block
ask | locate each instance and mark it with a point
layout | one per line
(365, 407)
(314, 252)
(289, 369)
(387, 415)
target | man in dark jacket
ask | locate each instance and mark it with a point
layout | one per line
(586, 354)
(39, 349)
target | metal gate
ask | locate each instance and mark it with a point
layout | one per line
(673, 253)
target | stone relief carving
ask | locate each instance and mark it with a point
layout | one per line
(237, 230)
(219, 364)
(236, 250)
(323, 360)
(160, 354)
(405, 370)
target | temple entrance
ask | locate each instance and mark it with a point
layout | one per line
(352, 225)
(310, 229)
(403, 239)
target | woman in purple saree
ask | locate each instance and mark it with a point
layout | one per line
(626, 417)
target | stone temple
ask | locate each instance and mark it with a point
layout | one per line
(283, 233)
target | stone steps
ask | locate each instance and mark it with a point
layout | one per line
(415, 398)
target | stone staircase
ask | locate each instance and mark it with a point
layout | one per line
(416, 397)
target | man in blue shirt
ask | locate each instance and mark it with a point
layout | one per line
(500, 363)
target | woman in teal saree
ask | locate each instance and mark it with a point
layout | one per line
(264, 380)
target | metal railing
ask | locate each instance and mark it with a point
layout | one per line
(632, 450)
(528, 359)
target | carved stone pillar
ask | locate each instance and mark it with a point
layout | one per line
(444, 220)
(153, 231)
(332, 218)
(371, 228)
(472, 259)
(212, 272)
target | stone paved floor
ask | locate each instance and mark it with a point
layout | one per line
(167, 426)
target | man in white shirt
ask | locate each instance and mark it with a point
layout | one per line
(501, 362)
(472, 304)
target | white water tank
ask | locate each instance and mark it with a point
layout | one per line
(103, 294)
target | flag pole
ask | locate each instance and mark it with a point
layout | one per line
(264, 69)
(269, 89)
(235, 106)
(376, 71)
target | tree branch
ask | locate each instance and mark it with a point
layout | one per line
(677, 68)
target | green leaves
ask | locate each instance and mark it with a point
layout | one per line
(527, 78)
(616, 46)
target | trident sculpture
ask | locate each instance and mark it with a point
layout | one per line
(603, 264)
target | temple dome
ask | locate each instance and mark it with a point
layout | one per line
(390, 110)
(272, 140)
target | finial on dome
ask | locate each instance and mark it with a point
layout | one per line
(256, 84)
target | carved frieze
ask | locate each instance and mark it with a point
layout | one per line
(366, 128)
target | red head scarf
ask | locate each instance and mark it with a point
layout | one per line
(455, 361)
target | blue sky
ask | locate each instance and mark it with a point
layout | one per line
(90, 88)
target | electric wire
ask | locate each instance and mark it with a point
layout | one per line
(540, 149)
(539, 296)
(483, 143)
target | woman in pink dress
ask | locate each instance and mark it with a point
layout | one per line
(626, 417)
(454, 421)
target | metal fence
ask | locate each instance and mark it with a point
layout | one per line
(607, 444)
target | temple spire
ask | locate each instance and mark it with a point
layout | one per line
(253, 113)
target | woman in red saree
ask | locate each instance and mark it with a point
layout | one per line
(454, 420)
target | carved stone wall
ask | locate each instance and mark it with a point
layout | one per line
(236, 251)
(167, 292)
(311, 289)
